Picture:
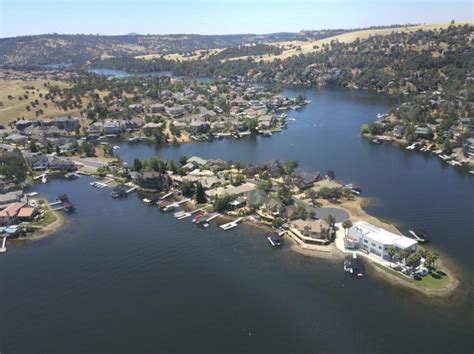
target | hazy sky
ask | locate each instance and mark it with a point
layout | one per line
(24, 17)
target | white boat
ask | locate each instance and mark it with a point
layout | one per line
(146, 200)
(184, 216)
(44, 179)
(471, 172)
(376, 141)
(116, 147)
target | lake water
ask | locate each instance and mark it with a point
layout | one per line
(124, 278)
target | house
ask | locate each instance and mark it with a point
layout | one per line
(23, 124)
(422, 132)
(17, 139)
(61, 165)
(266, 122)
(305, 180)
(9, 215)
(26, 214)
(199, 126)
(112, 127)
(11, 197)
(375, 240)
(137, 107)
(399, 131)
(153, 180)
(176, 111)
(311, 231)
(256, 197)
(96, 128)
(69, 124)
(134, 123)
(273, 206)
(38, 162)
(237, 203)
(197, 161)
(157, 108)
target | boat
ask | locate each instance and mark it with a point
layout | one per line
(354, 266)
(471, 172)
(376, 141)
(420, 235)
(146, 200)
(116, 147)
(179, 213)
(71, 175)
(3, 249)
(44, 179)
(198, 217)
(275, 241)
(266, 134)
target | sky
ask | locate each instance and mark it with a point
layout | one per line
(112, 17)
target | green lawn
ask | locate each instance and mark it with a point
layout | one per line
(435, 280)
(49, 218)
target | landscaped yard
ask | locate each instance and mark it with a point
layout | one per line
(437, 279)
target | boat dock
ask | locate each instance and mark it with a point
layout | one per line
(3, 249)
(212, 217)
(231, 225)
(166, 195)
(131, 189)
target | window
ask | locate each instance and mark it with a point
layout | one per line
(373, 244)
(365, 241)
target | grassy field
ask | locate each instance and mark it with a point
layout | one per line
(176, 56)
(14, 108)
(292, 48)
(437, 279)
(296, 47)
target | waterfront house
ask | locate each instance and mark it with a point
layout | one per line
(17, 139)
(9, 215)
(11, 197)
(311, 231)
(305, 180)
(399, 131)
(69, 124)
(199, 126)
(153, 180)
(26, 214)
(266, 122)
(422, 132)
(38, 162)
(61, 165)
(273, 207)
(375, 240)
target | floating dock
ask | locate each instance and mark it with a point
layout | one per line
(231, 225)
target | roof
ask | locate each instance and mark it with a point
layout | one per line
(197, 160)
(26, 212)
(12, 209)
(377, 234)
(313, 225)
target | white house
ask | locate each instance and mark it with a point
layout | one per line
(372, 239)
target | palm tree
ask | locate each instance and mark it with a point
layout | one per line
(346, 225)
(431, 259)
(392, 251)
(331, 220)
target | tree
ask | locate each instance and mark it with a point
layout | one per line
(290, 166)
(183, 160)
(200, 195)
(431, 259)
(137, 165)
(347, 224)
(187, 189)
(331, 220)
(172, 166)
(312, 214)
(33, 147)
(392, 251)
(57, 150)
(156, 164)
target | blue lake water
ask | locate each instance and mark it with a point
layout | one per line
(122, 277)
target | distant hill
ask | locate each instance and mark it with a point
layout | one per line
(78, 49)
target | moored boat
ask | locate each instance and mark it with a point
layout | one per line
(275, 241)
(354, 266)
(419, 235)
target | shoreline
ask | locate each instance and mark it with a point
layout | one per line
(45, 231)
(330, 252)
